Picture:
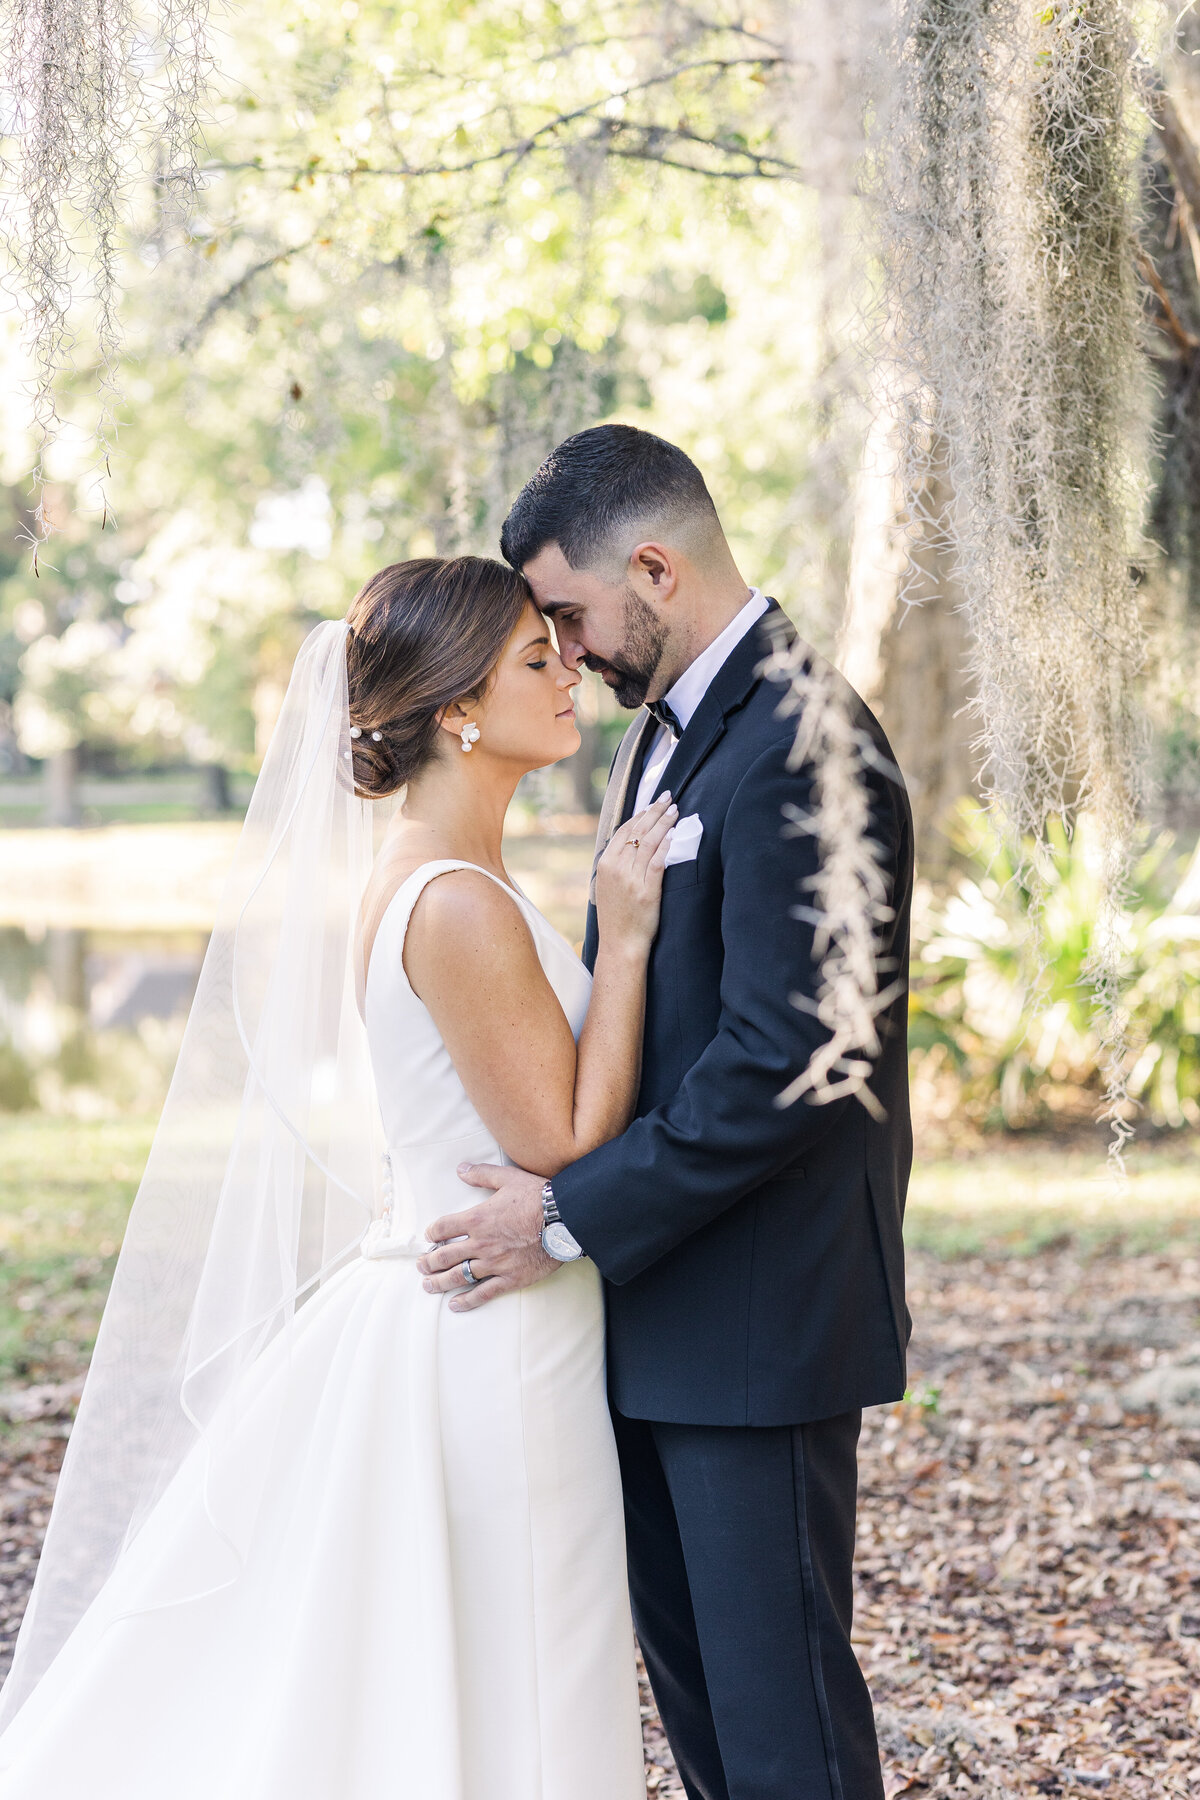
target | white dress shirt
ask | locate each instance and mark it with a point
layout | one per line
(689, 691)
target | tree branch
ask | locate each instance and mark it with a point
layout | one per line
(1170, 321)
(517, 152)
(220, 301)
(1173, 134)
(769, 167)
(758, 170)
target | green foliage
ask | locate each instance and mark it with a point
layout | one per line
(16, 1080)
(973, 982)
(98, 1074)
(429, 243)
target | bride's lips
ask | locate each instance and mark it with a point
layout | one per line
(568, 712)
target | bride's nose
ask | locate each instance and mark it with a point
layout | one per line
(569, 678)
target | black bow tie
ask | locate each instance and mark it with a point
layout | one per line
(658, 709)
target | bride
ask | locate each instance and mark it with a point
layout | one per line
(318, 1535)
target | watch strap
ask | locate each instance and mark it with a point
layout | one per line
(550, 1212)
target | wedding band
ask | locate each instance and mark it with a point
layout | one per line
(468, 1274)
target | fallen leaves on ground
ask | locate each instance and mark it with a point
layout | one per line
(31, 1454)
(1029, 1545)
(1029, 1533)
(1028, 1602)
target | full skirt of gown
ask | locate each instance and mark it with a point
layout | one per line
(426, 1598)
(401, 1627)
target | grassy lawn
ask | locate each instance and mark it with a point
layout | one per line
(66, 1188)
(65, 1192)
(1018, 1198)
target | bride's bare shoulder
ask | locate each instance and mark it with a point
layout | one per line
(462, 902)
(466, 929)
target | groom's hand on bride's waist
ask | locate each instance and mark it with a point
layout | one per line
(500, 1238)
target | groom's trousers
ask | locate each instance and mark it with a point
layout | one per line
(741, 1541)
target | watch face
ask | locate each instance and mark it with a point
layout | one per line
(558, 1242)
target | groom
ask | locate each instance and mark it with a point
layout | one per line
(751, 1252)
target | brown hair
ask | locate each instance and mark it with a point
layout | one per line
(422, 634)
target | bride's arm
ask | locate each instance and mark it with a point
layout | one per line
(470, 957)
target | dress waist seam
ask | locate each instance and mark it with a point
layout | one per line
(456, 1137)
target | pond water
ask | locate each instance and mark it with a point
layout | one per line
(92, 1012)
(102, 979)
(95, 992)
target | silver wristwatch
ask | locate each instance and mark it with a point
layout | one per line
(556, 1239)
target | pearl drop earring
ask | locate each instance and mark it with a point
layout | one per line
(469, 734)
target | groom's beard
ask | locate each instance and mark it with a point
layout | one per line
(636, 663)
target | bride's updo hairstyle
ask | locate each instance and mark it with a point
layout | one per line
(422, 634)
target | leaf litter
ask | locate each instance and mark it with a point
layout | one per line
(1028, 1592)
(1028, 1599)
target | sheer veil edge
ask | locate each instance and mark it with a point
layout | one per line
(261, 1180)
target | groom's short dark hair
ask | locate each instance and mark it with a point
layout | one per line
(596, 488)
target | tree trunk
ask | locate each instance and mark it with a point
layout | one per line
(61, 779)
(66, 961)
(909, 663)
(582, 766)
(215, 795)
(594, 705)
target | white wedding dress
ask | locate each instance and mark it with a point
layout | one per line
(430, 1601)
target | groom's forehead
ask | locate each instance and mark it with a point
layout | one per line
(556, 584)
(548, 569)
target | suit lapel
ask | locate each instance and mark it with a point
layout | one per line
(622, 785)
(738, 674)
(627, 761)
(637, 764)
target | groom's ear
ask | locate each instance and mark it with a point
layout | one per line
(654, 571)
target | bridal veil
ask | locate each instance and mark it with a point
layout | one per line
(260, 1183)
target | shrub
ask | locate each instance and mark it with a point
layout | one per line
(1022, 1043)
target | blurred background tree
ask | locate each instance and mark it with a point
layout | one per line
(427, 242)
(427, 245)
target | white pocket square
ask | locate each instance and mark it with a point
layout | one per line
(685, 840)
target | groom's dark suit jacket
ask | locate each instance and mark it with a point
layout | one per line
(752, 1253)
